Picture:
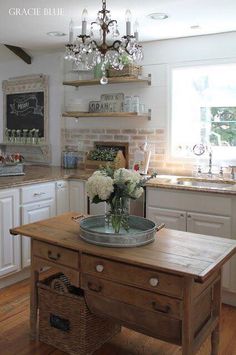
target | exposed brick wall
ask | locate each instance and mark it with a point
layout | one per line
(156, 139)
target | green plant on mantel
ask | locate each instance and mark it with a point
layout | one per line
(106, 154)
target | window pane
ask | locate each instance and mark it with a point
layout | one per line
(204, 110)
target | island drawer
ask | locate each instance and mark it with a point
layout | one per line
(147, 279)
(147, 300)
(147, 322)
(56, 254)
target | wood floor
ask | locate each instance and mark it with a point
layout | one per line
(14, 331)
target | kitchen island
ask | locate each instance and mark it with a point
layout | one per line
(169, 289)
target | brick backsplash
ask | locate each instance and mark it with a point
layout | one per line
(156, 139)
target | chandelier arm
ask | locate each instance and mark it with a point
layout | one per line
(125, 48)
(113, 45)
(110, 22)
(95, 43)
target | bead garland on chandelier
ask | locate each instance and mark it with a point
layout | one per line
(89, 52)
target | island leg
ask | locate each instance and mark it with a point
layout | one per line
(215, 335)
(187, 326)
(215, 341)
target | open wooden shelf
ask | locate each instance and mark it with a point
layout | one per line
(114, 80)
(77, 114)
(11, 144)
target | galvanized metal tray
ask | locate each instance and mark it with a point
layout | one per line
(93, 229)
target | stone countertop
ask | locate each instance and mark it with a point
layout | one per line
(37, 174)
(221, 186)
(40, 174)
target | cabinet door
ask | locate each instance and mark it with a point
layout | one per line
(62, 197)
(32, 213)
(78, 197)
(9, 218)
(219, 226)
(173, 219)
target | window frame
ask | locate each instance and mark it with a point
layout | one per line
(191, 159)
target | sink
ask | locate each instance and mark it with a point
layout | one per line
(212, 184)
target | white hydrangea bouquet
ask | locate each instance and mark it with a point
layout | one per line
(116, 187)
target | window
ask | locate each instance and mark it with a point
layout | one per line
(204, 110)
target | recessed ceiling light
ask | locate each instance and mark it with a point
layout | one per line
(158, 16)
(195, 27)
(56, 34)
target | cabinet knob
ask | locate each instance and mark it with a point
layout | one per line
(181, 215)
(189, 216)
(99, 268)
(153, 281)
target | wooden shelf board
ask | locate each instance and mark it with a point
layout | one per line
(23, 144)
(114, 80)
(76, 114)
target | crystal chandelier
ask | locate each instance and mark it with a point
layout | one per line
(89, 52)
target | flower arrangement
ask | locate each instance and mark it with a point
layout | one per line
(116, 187)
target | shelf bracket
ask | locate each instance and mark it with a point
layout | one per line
(149, 79)
(149, 114)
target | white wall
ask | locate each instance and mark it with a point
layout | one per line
(159, 57)
(51, 65)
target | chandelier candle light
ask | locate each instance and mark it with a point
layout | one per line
(89, 52)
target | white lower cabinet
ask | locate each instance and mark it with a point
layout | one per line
(78, 196)
(36, 211)
(173, 219)
(194, 216)
(9, 246)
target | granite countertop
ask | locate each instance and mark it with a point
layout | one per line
(39, 174)
(213, 185)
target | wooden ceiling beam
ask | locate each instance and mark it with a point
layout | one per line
(20, 53)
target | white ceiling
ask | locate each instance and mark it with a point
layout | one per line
(29, 32)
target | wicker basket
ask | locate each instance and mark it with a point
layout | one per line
(128, 70)
(65, 321)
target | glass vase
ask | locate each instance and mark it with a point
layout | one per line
(117, 216)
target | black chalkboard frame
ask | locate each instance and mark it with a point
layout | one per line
(33, 91)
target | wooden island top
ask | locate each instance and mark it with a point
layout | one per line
(173, 251)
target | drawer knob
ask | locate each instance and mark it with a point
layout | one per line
(53, 257)
(99, 268)
(153, 281)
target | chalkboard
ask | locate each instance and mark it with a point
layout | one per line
(25, 111)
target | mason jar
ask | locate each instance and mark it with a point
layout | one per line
(128, 104)
(69, 159)
(135, 104)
